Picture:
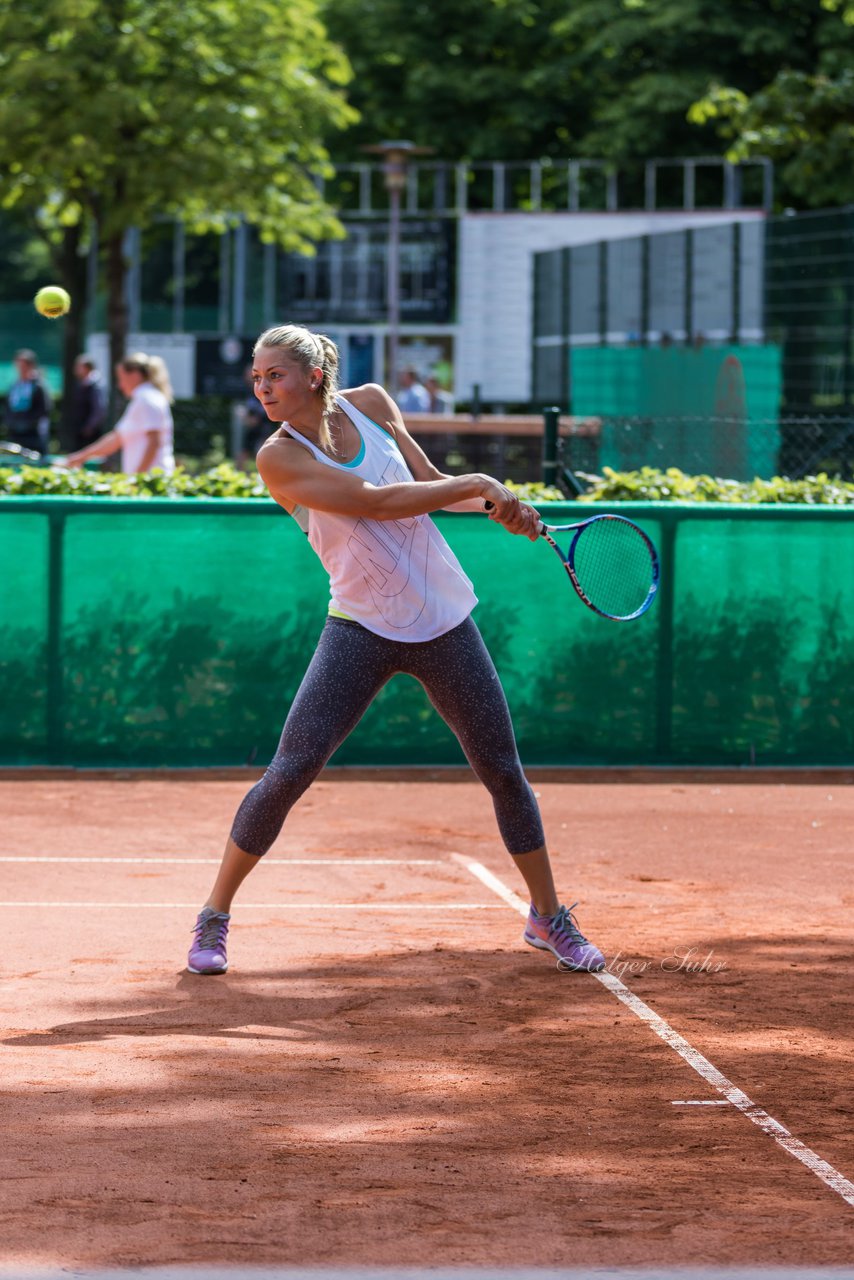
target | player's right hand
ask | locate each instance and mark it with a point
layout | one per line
(503, 502)
(506, 509)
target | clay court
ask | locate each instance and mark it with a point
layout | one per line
(387, 1075)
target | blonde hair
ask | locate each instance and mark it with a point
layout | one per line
(310, 351)
(153, 370)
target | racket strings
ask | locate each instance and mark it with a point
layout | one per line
(613, 566)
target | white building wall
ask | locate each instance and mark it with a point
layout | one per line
(495, 284)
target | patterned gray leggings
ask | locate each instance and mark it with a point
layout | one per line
(348, 669)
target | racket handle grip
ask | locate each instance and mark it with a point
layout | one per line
(488, 506)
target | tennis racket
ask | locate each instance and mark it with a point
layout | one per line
(18, 451)
(611, 563)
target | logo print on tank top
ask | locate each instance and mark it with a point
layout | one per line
(393, 555)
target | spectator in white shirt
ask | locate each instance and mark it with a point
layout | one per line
(144, 431)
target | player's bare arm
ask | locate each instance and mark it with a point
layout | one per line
(375, 402)
(295, 478)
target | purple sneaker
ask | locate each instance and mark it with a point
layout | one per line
(207, 954)
(561, 935)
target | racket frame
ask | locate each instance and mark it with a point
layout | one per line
(546, 530)
(18, 451)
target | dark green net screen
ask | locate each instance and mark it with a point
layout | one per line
(175, 634)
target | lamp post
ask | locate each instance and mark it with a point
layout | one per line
(396, 156)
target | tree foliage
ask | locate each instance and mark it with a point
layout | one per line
(478, 79)
(115, 112)
(646, 61)
(616, 79)
(129, 109)
(803, 120)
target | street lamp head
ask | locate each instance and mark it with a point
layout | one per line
(396, 154)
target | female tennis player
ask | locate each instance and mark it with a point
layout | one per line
(345, 467)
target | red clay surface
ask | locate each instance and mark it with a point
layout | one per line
(416, 1086)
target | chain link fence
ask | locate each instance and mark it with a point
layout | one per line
(791, 446)
(726, 350)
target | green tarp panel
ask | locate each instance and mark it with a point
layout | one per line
(175, 633)
(707, 410)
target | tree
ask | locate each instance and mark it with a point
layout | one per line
(475, 79)
(115, 112)
(803, 120)
(611, 79)
(647, 61)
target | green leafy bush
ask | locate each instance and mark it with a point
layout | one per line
(226, 481)
(223, 481)
(672, 485)
(534, 491)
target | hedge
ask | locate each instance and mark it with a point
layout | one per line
(646, 485)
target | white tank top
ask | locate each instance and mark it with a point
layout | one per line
(398, 578)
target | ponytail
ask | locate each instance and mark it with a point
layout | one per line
(329, 365)
(158, 376)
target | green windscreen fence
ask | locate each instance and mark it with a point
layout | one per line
(175, 633)
(707, 409)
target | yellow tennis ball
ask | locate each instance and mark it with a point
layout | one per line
(51, 301)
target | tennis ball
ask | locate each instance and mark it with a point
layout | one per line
(51, 301)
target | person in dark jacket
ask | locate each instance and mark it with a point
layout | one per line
(28, 405)
(89, 403)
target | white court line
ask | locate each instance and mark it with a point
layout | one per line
(276, 862)
(492, 882)
(412, 907)
(781, 1135)
(704, 1102)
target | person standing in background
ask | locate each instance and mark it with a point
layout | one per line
(89, 403)
(144, 431)
(255, 425)
(414, 397)
(28, 405)
(440, 400)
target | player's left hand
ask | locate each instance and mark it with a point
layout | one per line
(522, 520)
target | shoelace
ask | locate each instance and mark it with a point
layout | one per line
(564, 921)
(211, 932)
